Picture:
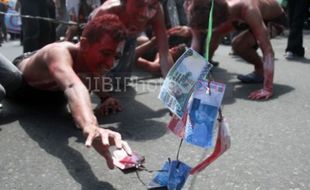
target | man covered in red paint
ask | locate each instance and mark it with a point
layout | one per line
(254, 16)
(63, 67)
(136, 16)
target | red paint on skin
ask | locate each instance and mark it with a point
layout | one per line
(266, 92)
(139, 13)
(99, 56)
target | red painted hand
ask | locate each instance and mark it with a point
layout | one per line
(101, 139)
(260, 94)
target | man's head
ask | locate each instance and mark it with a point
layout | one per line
(139, 13)
(198, 12)
(102, 25)
(99, 42)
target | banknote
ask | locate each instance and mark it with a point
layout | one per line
(172, 176)
(205, 102)
(181, 79)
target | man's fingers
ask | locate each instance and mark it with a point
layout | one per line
(267, 97)
(105, 138)
(117, 139)
(251, 96)
(90, 138)
(127, 148)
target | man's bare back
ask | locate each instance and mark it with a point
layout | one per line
(35, 68)
(245, 11)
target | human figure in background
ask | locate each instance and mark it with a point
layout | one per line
(152, 64)
(174, 13)
(61, 14)
(3, 33)
(297, 10)
(175, 17)
(229, 14)
(136, 16)
(79, 11)
(37, 33)
(52, 26)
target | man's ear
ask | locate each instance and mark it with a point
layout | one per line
(84, 43)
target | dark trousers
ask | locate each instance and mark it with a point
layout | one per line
(36, 33)
(13, 85)
(174, 13)
(296, 15)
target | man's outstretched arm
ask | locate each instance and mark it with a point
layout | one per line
(80, 106)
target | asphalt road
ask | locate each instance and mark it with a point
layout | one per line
(41, 149)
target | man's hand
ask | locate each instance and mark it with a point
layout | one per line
(101, 139)
(151, 66)
(260, 94)
(110, 105)
(182, 31)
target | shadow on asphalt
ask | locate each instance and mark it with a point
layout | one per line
(242, 91)
(137, 121)
(304, 60)
(237, 90)
(52, 127)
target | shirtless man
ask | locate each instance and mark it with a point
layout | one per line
(229, 14)
(58, 67)
(136, 15)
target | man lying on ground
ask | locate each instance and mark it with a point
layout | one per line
(63, 67)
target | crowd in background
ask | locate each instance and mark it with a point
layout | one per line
(35, 33)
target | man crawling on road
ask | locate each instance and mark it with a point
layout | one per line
(253, 16)
(256, 19)
(62, 67)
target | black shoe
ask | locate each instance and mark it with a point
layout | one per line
(251, 78)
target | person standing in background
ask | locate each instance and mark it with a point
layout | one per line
(297, 10)
(3, 34)
(37, 33)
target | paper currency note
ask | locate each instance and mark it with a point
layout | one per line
(181, 79)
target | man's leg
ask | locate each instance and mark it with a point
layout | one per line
(244, 45)
(181, 12)
(2, 93)
(10, 78)
(297, 14)
(31, 27)
(1, 35)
